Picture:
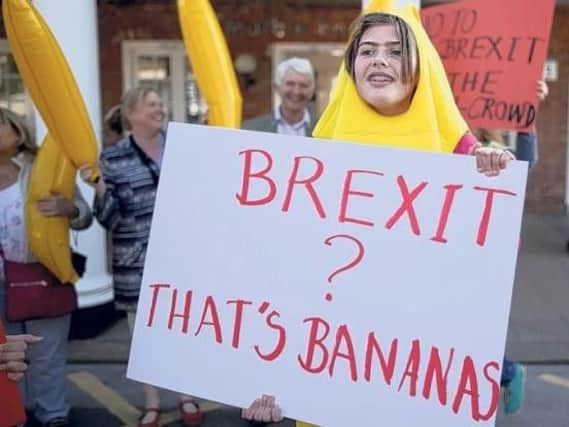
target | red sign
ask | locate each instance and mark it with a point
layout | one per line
(493, 52)
(11, 408)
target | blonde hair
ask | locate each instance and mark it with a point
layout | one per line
(25, 141)
(486, 136)
(130, 99)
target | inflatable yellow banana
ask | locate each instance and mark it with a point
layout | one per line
(70, 142)
(211, 63)
(50, 82)
(48, 237)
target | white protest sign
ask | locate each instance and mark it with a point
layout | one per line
(359, 285)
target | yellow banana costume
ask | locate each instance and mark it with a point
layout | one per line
(339, 90)
(432, 122)
(207, 50)
(380, 6)
(71, 140)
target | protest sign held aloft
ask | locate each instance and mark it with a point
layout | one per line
(493, 52)
(326, 272)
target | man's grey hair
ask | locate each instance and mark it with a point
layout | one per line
(300, 65)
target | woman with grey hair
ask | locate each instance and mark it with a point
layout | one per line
(124, 205)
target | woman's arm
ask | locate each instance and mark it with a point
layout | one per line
(84, 217)
(77, 210)
(489, 161)
(106, 206)
(465, 144)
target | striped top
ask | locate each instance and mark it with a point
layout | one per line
(131, 179)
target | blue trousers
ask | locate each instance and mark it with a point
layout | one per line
(527, 148)
(43, 389)
(508, 372)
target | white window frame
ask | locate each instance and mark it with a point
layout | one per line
(175, 50)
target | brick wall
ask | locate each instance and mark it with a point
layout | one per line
(250, 27)
(546, 185)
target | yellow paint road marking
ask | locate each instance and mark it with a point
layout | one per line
(554, 379)
(118, 406)
(107, 397)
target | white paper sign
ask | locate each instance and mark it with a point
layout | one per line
(359, 285)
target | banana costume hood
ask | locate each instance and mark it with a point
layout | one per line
(432, 122)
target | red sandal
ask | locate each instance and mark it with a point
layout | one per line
(190, 419)
(155, 423)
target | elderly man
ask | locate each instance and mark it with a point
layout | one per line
(294, 82)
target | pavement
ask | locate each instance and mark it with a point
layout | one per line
(538, 332)
(539, 321)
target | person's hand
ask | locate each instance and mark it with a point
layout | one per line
(542, 90)
(57, 205)
(263, 410)
(13, 355)
(490, 161)
(85, 173)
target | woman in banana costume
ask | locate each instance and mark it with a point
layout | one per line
(393, 91)
(46, 376)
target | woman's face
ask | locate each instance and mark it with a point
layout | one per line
(377, 71)
(148, 114)
(8, 139)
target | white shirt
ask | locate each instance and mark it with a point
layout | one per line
(298, 129)
(12, 225)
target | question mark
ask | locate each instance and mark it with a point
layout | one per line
(351, 264)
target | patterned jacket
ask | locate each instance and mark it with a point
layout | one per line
(131, 179)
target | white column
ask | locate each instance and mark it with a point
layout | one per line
(74, 24)
(400, 3)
